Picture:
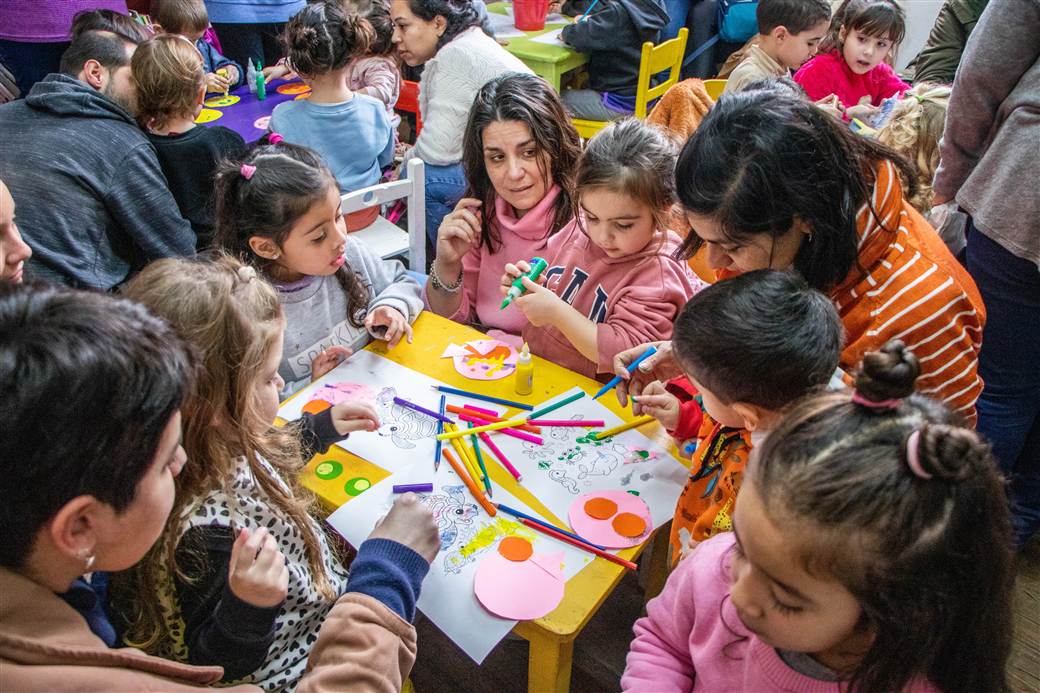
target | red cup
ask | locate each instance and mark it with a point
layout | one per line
(529, 15)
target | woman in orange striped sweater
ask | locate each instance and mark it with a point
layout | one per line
(768, 180)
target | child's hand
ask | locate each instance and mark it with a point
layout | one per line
(660, 366)
(540, 305)
(514, 272)
(409, 522)
(328, 359)
(389, 324)
(863, 110)
(348, 417)
(831, 105)
(281, 71)
(459, 231)
(660, 404)
(231, 72)
(257, 574)
(215, 82)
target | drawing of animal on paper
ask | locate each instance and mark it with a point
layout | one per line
(476, 542)
(452, 513)
(400, 424)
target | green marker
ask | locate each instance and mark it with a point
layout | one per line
(538, 266)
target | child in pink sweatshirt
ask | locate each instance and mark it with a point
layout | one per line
(851, 62)
(613, 281)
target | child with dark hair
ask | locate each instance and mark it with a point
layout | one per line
(351, 131)
(170, 79)
(851, 64)
(278, 209)
(188, 18)
(870, 552)
(748, 346)
(789, 31)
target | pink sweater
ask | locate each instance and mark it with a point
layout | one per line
(380, 73)
(632, 300)
(828, 73)
(692, 639)
(521, 239)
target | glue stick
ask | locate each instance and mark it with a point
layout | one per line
(524, 372)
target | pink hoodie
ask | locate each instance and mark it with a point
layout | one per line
(828, 73)
(692, 639)
(632, 299)
(482, 270)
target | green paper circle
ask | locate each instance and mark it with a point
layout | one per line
(357, 486)
(328, 469)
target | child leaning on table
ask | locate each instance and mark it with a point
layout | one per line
(188, 18)
(170, 80)
(748, 347)
(187, 600)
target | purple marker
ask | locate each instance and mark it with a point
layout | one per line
(413, 488)
(422, 410)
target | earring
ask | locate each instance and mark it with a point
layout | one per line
(88, 560)
(276, 256)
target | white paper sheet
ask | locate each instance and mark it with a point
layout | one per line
(503, 26)
(551, 38)
(467, 534)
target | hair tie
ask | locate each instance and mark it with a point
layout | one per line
(913, 456)
(246, 273)
(883, 405)
(920, 99)
(247, 171)
(275, 138)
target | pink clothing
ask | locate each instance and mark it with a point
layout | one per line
(828, 73)
(521, 239)
(692, 639)
(632, 300)
(381, 74)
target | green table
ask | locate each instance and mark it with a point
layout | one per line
(547, 61)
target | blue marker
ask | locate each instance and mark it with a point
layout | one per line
(631, 367)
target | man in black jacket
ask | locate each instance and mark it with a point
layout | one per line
(92, 201)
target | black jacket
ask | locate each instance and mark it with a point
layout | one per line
(613, 36)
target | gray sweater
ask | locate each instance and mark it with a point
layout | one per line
(991, 144)
(316, 310)
(93, 203)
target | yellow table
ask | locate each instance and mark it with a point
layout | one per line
(338, 475)
(547, 61)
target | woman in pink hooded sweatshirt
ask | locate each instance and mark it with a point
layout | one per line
(520, 154)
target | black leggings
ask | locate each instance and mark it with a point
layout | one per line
(258, 42)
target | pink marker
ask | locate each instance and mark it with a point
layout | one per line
(508, 431)
(501, 458)
(579, 423)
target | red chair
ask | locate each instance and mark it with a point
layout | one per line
(408, 101)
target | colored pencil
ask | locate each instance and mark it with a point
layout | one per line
(553, 407)
(586, 13)
(480, 463)
(501, 458)
(600, 435)
(485, 398)
(414, 488)
(498, 425)
(422, 410)
(514, 432)
(577, 423)
(470, 484)
(516, 513)
(580, 544)
(440, 429)
(487, 417)
(612, 383)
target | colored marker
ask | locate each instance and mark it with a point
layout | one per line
(463, 452)
(422, 410)
(486, 416)
(501, 458)
(553, 407)
(480, 463)
(579, 543)
(488, 506)
(517, 432)
(440, 429)
(571, 423)
(600, 435)
(631, 367)
(458, 433)
(516, 513)
(485, 398)
(538, 266)
(413, 488)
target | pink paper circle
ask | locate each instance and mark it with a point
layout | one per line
(602, 531)
(517, 591)
(472, 365)
(262, 122)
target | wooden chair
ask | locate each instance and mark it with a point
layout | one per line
(714, 87)
(666, 56)
(383, 237)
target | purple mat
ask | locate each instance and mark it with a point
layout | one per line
(242, 116)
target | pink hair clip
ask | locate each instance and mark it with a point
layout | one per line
(247, 171)
(275, 138)
(913, 455)
(883, 405)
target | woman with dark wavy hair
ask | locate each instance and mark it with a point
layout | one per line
(458, 58)
(519, 154)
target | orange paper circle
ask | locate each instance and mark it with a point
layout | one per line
(293, 88)
(600, 508)
(305, 95)
(316, 406)
(629, 525)
(515, 549)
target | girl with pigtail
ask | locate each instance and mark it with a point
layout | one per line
(870, 552)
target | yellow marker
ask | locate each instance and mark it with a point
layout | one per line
(458, 433)
(622, 428)
(464, 455)
(223, 72)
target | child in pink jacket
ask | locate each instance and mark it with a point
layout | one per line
(851, 63)
(613, 280)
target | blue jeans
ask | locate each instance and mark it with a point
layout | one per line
(1009, 363)
(445, 186)
(31, 62)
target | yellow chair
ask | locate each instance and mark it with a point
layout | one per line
(714, 88)
(666, 56)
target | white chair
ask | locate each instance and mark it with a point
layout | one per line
(383, 237)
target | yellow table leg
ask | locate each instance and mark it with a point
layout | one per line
(549, 665)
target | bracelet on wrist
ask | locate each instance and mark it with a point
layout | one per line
(439, 284)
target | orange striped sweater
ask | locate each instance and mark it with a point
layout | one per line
(906, 285)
